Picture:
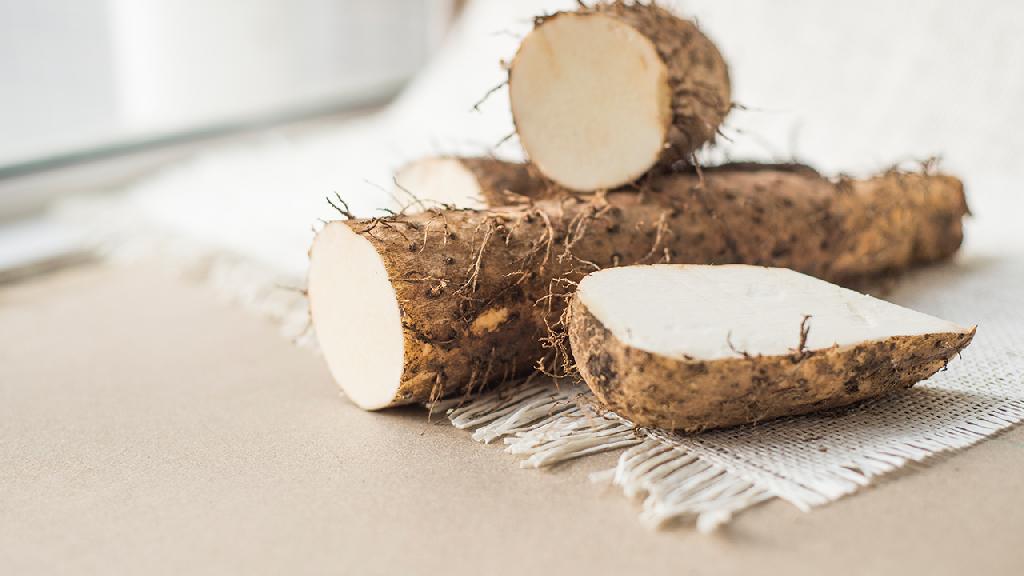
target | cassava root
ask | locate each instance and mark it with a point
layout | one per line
(695, 347)
(602, 94)
(410, 308)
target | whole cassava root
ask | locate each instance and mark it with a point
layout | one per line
(694, 347)
(602, 94)
(414, 307)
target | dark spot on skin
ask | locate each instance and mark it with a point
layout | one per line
(602, 373)
(851, 386)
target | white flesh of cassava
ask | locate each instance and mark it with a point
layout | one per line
(715, 312)
(356, 316)
(590, 99)
(438, 181)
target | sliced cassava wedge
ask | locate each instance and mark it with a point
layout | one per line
(693, 347)
(602, 94)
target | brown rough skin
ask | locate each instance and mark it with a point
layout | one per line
(482, 292)
(698, 78)
(693, 395)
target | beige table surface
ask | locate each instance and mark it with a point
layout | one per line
(147, 427)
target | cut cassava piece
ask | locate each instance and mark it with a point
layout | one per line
(467, 182)
(602, 94)
(413, 307)
(694, 347)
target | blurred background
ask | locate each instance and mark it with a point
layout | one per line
(225, 123)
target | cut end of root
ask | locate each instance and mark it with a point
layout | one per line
(440, 181)
(356, 316)
(591, 101)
